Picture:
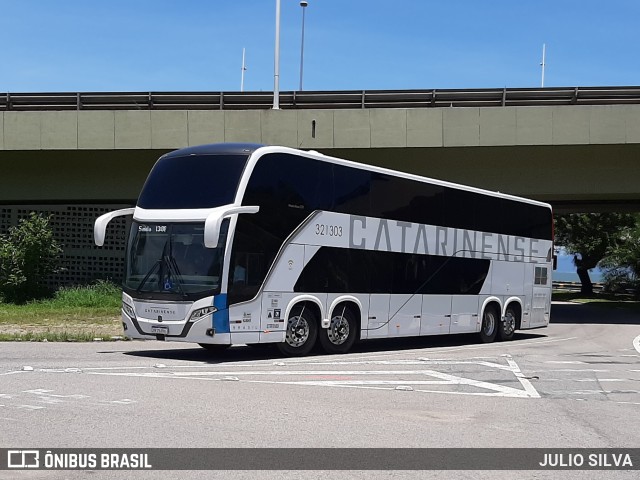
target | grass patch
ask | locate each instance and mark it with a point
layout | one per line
(49, 336)
(101, 295)
(604, 300)
(72, 314)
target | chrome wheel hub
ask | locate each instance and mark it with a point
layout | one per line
(509, 323)
(338, 331)
(297, 331)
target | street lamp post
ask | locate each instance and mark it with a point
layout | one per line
(543, 64)
(303, 4)
(276, 63)
(244, 69)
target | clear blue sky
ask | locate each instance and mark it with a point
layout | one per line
(186, 45)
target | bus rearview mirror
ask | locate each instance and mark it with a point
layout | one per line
(100, 227)
(214, 221)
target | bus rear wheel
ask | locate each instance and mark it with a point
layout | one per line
(489, 328)
(507, 325)
(341, 334)
(302, 332)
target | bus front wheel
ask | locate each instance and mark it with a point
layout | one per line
(341, 334)
(489, 328)
(302, 332)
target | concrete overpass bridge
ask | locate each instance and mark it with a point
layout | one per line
(76, 155)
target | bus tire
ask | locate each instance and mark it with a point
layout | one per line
(342, 331)
(507, 325)
(489, 327)
(214, 347)
(302, 332)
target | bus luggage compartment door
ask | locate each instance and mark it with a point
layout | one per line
(378, 324)
(404, 315)
(436, 315)
(464, 314)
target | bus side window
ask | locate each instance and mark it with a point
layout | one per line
(240, 270)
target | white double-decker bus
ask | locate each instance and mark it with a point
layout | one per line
(249, 244)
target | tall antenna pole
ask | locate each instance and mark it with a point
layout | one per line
(244, 68)
(303, 4)
(276, 63)
(544, 48)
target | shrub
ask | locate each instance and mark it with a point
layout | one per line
(621, 280)
(28, 254)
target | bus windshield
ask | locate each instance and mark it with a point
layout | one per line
(187, 181)
(171, 259)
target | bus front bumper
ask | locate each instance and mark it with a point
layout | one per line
(201, 330)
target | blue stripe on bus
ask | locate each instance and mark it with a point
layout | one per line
(220, 322)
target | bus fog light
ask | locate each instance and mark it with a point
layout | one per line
(201, 313)
(128, 309)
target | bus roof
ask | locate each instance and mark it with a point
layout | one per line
(410, 176)
(216, 149)
(250, 148)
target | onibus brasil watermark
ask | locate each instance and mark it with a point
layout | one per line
(320, 459)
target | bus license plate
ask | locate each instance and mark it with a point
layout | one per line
(159, 329)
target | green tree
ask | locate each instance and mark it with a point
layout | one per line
(590, 237)
(623, 263)
(28, 254)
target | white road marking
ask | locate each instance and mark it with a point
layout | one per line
(520, 343)
(496, 390)
(591, 392)
(314, 377)
(50, 400)
(295, 372)
(618, 380)
(524, 381)
(636, 343)
(578, 370)
(569, 362)
(48, 393)
(603, 380)
(124, 401)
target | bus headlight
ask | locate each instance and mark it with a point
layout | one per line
(128, 309)
(201, 313)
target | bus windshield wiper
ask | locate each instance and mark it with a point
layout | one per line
(174, 272)
(149, 273)
(172, 266)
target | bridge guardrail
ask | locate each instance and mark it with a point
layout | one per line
(499, 97)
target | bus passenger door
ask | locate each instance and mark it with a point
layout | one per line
(404, 315)
(436, 315)
(378, 325)
(528, 298)
(464, 314)
(541, 301)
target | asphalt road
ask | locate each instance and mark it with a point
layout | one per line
(573, 384)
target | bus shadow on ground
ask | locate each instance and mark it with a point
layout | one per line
(270, 352)
(595, 313)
